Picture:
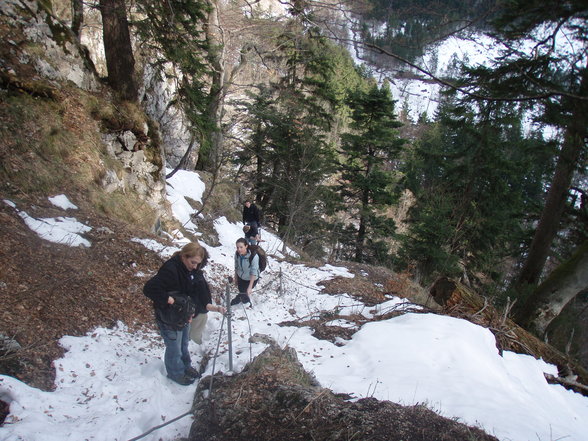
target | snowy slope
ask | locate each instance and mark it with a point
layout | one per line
(111, 384)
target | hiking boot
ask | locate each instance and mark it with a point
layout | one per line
(191, 372)
(245, 299)
(184, 381)
(236, 300)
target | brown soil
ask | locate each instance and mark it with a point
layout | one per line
(374, 284)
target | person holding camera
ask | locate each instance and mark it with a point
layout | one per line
(179, 293)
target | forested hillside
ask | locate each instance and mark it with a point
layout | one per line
(291, 104)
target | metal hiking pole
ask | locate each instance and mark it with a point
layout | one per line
(229, 334)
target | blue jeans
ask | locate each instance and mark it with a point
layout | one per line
(177, 356)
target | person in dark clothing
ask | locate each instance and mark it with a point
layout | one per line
(181, 275)
(251, 214)
(251, 234)
(203, 300)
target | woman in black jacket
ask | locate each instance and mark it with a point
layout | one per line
(180, 278)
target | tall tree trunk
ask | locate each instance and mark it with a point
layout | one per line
(117, 48)
(558, 191)
(222, 76)
(77, 16)
(362, 230)
(562, 286)
(360, 239)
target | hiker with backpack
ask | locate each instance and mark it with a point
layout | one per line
(247, 271)
(251, 234)
(178, 293)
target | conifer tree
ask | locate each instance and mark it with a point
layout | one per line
(367, 182)
(120, 61)
(545, 64)
(477, 182)
(172, 34)
(288, 123)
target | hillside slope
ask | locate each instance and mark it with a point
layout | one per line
(50, 290)
(59, 137)
(346, 325)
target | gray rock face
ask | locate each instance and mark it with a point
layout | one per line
(159, 93)
(57, 59)
(138, 174)
(43, 49)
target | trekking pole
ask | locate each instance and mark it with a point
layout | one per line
(229, 334)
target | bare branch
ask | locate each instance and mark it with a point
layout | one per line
(343, 8)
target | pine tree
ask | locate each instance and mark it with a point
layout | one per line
(172, 34)
(367, 182)
(120, 61)
(477, 181)
(545, 64)
(288, 123)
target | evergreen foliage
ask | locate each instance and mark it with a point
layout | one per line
(288, 123)
(171, 32)
(407, 27)
(366, 184)
(544, 64)
(478, 184)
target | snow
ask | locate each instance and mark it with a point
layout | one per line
(179, 187)
(64, 230)
(111, 384)
(61, 201)
(423, 96)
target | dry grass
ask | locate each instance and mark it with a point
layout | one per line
(126, 207)
(48, 145)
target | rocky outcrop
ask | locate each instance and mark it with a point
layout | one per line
(37, 39)
(138, 174)
(40, 56)
(157, 93)
(159, 97)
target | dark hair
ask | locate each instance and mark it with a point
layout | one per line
(243, 241)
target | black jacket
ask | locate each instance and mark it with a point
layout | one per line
(201, 292)
(174, 276)
(251, 214)
(253, 231)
